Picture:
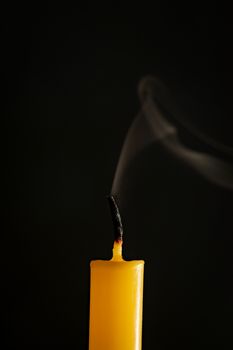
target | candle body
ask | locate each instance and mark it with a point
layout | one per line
(116, 304)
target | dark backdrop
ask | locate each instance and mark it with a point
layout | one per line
(70, 94)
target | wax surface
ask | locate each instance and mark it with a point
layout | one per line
(116, 303)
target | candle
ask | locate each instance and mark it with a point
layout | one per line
(116, 298)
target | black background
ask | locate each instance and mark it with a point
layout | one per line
(70, 95)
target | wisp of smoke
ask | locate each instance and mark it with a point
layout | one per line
(158, 122)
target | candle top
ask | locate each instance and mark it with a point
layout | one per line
(117, 259)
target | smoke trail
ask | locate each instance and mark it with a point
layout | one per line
(157, 123)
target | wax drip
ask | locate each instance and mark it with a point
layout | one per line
(116, 218)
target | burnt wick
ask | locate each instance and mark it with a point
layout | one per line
(116, 218)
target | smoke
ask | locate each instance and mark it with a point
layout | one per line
(160, 121)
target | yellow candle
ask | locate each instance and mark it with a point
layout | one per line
(116, 303)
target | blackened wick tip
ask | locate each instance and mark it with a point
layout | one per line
(116, 218)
